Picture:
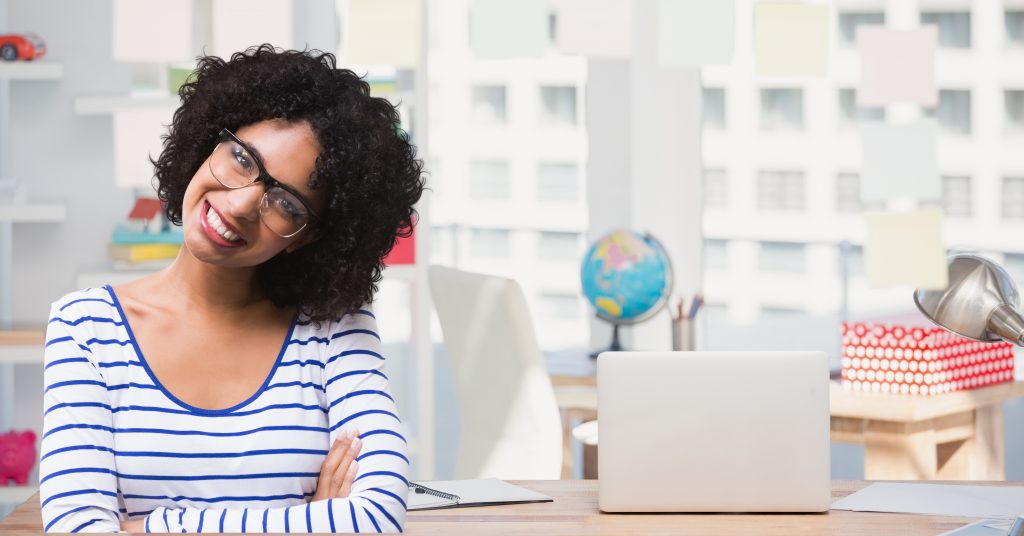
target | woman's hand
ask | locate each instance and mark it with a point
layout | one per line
(134, 525)
(340, 468)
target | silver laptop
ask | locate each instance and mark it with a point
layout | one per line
(713, 432)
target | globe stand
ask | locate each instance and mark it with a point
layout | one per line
(616, 345)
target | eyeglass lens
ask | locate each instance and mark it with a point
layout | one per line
(234, 167)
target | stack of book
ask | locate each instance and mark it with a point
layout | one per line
(146, 241)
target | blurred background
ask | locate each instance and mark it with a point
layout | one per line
(761, 143)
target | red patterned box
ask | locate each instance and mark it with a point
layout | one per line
(913, 360)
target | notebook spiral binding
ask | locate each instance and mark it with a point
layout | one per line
(436, 493)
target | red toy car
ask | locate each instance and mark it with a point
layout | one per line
(21, 47)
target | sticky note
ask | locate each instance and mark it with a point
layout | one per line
(695, 32)
(790, 39)
(897, 65)
(137, 135)
(595, 28)
(152, 30)
(502, 29)
(240, 24)
(906, 249)
(383, 32)
(899, 161)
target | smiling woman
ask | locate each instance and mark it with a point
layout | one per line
(242, 389)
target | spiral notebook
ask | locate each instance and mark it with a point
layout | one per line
(462, 493)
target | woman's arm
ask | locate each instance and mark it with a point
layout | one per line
(77, 482)
(359, 398)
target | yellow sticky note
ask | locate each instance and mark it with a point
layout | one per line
(384, 32)
(905, 248)
(790, 39)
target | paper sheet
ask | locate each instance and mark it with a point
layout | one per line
(1005, 502)
(383, 32)
(790, 39)
(595, 28)
(897, 66)
(152, 30)
(137, 137)
(501, 29)
(240, 24)
(906, 249)
(695, 32)
(899, 160)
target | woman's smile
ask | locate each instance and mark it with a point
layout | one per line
(217, 230)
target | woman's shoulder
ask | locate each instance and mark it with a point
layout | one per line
(84, 302)
(362, 318)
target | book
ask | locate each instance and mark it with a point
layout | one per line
(126, 234)
(462, 493)
(136, 253)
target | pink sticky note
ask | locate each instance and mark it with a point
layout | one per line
(897, 65)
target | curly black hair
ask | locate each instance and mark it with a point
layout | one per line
(367, 168)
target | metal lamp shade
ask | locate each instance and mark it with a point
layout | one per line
(980, 302)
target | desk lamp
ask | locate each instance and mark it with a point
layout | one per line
(979, 303)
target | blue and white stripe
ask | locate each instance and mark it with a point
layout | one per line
(118, 445)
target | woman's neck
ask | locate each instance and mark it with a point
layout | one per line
(210, 288)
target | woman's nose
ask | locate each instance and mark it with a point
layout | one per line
(244, 203)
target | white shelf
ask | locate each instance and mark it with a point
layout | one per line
(32, 212)
(21, 354)
(31, 70)
(107, 104)
(16, 494)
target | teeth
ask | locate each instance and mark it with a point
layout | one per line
(214, 220)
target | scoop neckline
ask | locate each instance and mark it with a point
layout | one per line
(195, 409)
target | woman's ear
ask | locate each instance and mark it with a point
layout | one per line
(303, 240)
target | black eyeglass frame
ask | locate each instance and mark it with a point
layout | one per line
(268, 180)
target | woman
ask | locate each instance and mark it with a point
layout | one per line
(242, 388)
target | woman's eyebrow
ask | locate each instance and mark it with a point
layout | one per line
(253, 151)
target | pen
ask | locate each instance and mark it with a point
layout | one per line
(698, 300)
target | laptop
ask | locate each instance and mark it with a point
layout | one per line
(738, 431)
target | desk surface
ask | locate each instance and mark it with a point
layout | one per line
(575, 512)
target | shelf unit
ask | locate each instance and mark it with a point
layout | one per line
(16, 494)
(31, 70)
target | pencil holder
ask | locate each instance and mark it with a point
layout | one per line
(683, 335)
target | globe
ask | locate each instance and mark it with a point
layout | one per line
(627, 278)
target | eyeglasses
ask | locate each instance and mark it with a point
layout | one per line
(235, 165)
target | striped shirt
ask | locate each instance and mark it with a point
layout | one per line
(117, 445)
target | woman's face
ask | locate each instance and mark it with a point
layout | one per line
(222, 225)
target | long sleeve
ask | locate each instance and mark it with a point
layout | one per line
(78, 479)
(357, 392)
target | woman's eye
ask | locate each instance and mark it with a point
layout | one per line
(241, 158)
(288, 207)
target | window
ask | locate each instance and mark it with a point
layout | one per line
(782, 109)
(558, 105)
(716, 254)
(850, 113)
(848, 192)
(716, 189)
(558, 246)
(956, 195)
(714, 107)
(1013, 198)
(849, 21)
(781, 257)
(954, 111)
(488, 180)
(560, 306)
(490, 243)
(954, 27)
(1014, 22)
(1013, 101)
(489, 105)
(780, 190)
(557, 181)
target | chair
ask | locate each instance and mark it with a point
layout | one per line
(510, 425)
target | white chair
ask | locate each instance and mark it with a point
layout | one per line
(510, 425)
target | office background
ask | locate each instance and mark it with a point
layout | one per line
(533, 158)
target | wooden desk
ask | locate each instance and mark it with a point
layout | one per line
(955, 436)
(575, 512)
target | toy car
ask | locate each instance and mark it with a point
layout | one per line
(21, 47)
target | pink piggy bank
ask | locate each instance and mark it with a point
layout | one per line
(17, 456)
